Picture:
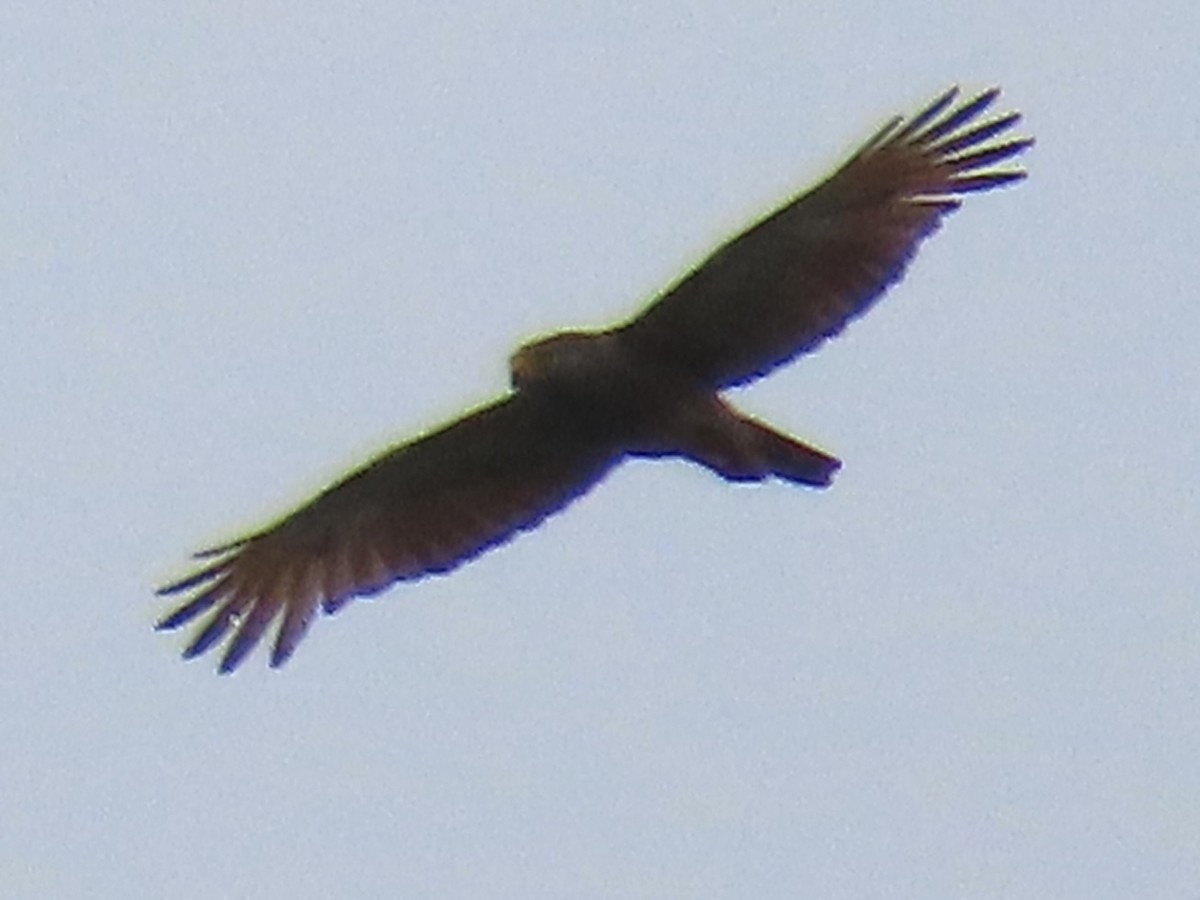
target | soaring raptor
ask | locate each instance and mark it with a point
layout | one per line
(583, 401)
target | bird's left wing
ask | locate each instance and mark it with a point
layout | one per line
(802, 273)
(422, 508)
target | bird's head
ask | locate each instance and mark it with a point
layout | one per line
(561, 358)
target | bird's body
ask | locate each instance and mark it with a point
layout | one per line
(645, 408)
(581, 402)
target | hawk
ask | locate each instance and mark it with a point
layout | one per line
(581, 402)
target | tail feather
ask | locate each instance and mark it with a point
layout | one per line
(738, 447)
(792, 460)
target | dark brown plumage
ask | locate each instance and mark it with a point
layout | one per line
(583, 401)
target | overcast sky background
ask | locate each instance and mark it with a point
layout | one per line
(243, 246)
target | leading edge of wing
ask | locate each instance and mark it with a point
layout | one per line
(800, 274)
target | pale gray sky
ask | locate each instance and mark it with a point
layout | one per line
(244, 245)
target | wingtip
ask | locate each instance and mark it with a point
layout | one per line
(200, 577)
(234, 656)
(285, 644)
(182, 584)
(169, 622)
(191, 651)
(933, 109)
(988, 95)
(209, 637)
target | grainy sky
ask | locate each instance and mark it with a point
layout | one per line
(242, 246)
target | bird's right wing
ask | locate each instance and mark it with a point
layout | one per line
(422, 508)
(802, 273)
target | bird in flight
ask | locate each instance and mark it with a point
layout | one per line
(583, 401)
